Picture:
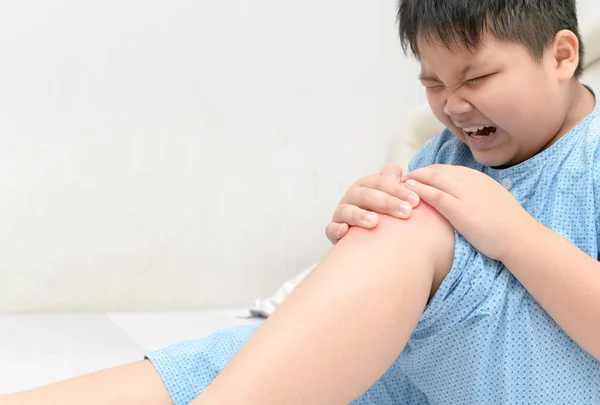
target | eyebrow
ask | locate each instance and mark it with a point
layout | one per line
(428, 78)
(433, 78)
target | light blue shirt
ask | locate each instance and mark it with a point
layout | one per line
(482, 339)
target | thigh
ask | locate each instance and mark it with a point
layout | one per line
(357, 309)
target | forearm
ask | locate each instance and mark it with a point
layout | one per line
(564, 280)
(343, 327)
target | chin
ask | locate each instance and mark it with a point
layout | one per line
(491, 159)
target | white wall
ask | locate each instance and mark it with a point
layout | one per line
(185, 154)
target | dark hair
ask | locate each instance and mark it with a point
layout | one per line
(533, 23)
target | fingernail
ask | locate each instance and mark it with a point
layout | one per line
(369, 218)
(413, 199)
(405, 209)
(411, 183)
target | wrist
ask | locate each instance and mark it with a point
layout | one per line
(521, 240)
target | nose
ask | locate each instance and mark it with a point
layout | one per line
(456, 106)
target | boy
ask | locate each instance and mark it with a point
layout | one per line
(483, 304)
(532, 127)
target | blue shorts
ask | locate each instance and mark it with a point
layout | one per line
(187, 368)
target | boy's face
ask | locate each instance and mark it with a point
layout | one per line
(498, 100)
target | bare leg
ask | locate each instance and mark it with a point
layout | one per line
(339, 331)
(329, 341)
(133, 384)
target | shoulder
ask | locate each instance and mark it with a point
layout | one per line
(585, 157)
(587, 144)
(591, 141)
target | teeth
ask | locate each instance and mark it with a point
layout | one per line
(474, 129)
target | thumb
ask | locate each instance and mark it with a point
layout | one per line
(444, 203)
(392, 170)
(335, 232)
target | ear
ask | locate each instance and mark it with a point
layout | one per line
(565, 52)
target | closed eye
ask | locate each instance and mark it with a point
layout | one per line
(478, 79)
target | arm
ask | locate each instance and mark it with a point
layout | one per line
(564, 280)
(339, 331)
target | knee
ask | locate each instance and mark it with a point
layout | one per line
(423, 216)
(426, 232)
(425, 225)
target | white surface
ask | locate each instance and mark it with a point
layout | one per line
(187, 154)
(36, 350)
(171, 155)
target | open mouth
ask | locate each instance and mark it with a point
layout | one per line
(480, 132)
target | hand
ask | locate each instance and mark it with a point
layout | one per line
(377, 193)
(479, 208)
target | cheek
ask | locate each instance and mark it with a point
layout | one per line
(518, 98)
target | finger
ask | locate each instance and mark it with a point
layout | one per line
(355, 216)
(444, 203)
(335, 231)
(384, 184)
(366, 201)
(392, 171)
(441, 177)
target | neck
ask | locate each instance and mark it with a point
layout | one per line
(581, 103)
